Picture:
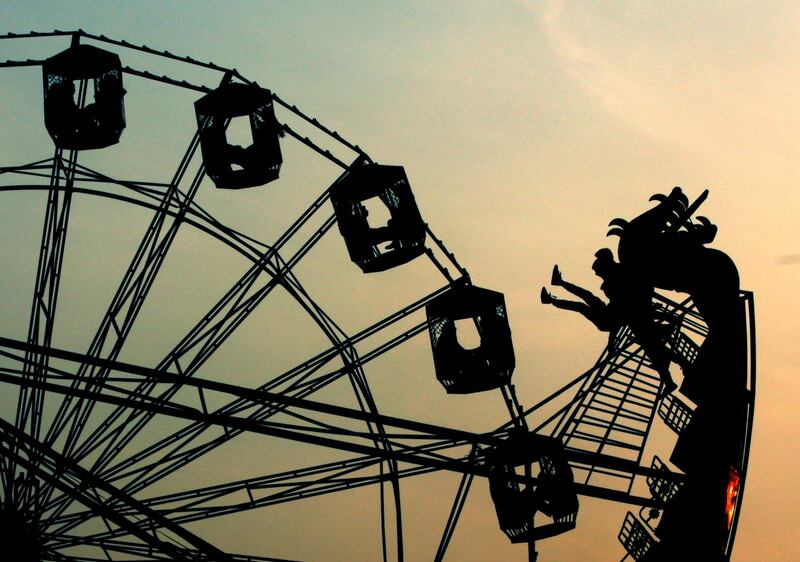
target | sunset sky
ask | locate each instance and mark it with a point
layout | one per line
(524, 127)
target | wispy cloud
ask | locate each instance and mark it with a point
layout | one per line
(789, 259)
(621, 89)
(673, 79)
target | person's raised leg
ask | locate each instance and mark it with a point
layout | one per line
(555, 277)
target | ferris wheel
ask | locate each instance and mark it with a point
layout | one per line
(127, 429)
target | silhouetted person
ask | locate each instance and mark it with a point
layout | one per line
(247, 158)
(630, 302)
(62, 102)
(592, 307)
(393, 232)
(108, 98)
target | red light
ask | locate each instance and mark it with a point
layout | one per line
(731, 495)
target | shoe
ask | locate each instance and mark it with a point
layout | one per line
(555, 277)
(546, 297)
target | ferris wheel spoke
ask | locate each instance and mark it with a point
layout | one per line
(223, 499)
(153, 192)
(171, 450)
(293, 491)
(141, 552)
(297, 479)
(142, 475)
(50, 555)
(196, 348)
(119, 395)
(297, 377)
(307, 383)
(207, 336)
(147, 194)
(165, 466)
(364, 398)
(202, 339)
(344, 440)
(40, 168)
(48, 276)
(104, 549)
(304, 390)
(455, 514)
(30, 402)
(171, 504)
(59, 471)
(129, 297)
(365, 401)
(202, 503)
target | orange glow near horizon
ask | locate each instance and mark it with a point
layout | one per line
(731, 495)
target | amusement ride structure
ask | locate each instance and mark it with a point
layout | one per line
(88, 441)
